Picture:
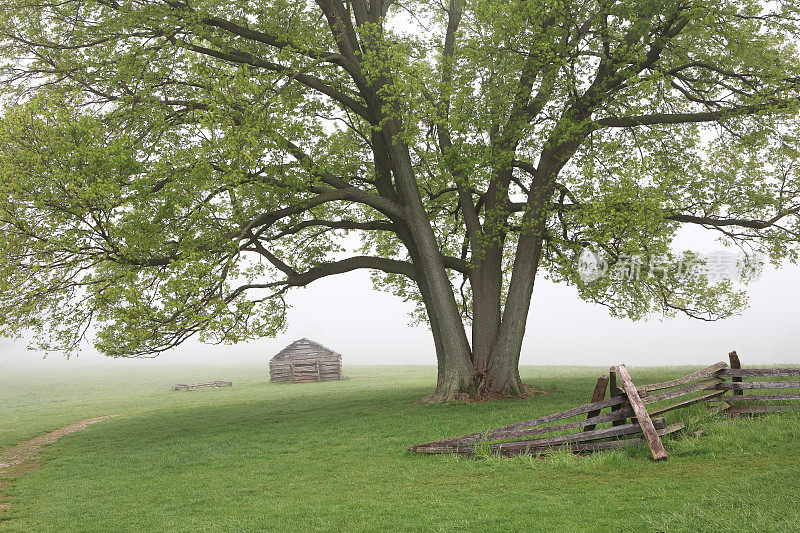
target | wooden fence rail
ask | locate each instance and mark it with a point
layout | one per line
(645, 424)
(759, 372)
(195, 386)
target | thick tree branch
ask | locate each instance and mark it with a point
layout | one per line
(378, 202)
(471, 220)
(374, 225)
(301, 279)
(740, 222)
(245, 58)
(391, 266)
(685, 118)
(271, 40)
(344, 33)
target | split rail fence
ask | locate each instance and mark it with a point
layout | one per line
(767, 394)
(626, 413)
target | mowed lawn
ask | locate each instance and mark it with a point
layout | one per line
(332, 456)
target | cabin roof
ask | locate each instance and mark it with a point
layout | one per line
(305, 348)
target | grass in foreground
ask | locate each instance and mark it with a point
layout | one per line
(262, 456)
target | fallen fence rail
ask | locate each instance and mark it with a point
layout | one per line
(629, 419)
(195, 386)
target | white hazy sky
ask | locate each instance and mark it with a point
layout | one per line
(371, 327)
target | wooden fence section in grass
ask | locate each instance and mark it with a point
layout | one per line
(628, 420)
(766, 387)
(627, 414)
(205, 384)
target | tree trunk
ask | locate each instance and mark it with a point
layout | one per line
(503, 373)
(486, 282)
(456, 365)
(433, 319)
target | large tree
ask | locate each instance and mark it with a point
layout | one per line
(170, 168)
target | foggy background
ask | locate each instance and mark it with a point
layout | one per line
(371, 327)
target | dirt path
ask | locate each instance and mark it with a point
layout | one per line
(22, 457)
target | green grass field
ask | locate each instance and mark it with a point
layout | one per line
(332, 456)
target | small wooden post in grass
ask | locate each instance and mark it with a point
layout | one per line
(735, 364)
(598, 394)
(649, 430)
(613, 390)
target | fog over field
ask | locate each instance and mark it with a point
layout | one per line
(371, 327)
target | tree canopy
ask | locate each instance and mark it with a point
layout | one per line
(171, 168)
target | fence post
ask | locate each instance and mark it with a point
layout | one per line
(613, 390)
(735, 363)
(598, 395)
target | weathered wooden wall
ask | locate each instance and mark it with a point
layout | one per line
(305, 370)
(305, 361)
